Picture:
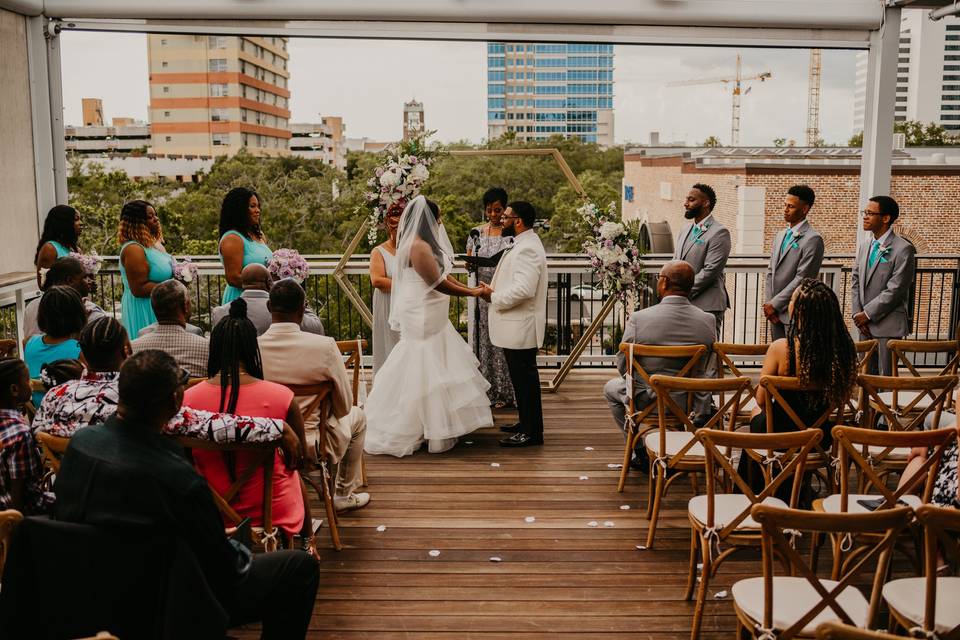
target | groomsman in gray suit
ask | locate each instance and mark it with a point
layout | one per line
(882, 277)
(796, 253)
(675, 321)
(705, 244)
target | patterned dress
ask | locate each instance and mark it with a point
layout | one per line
(945, 487)
(493, 365)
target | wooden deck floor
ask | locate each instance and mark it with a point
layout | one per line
(558, 576)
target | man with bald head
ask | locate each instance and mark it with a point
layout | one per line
(256, 282)
(674, 321)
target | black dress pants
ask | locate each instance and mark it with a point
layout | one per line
(279, 591)
(522, 364)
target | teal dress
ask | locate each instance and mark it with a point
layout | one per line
(61, 250)
(136, 313)
(38, 353)
(254, 252)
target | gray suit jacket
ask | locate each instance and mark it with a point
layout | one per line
(675, 321)
(708, 255)
(800, 259)
(883, 291)
(260, 316)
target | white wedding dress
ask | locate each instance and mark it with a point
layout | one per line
(430, 387)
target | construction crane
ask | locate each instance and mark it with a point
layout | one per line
(738, 81)
(813, 100)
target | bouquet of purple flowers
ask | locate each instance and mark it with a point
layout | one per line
(91, 261)
(288, 263)
(185, 271)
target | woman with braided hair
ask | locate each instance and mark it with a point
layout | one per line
(236, 385)
(819, 351)
(144, 263)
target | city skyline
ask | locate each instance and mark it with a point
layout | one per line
(367, 89)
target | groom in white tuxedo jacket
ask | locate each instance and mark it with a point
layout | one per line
(517, 317)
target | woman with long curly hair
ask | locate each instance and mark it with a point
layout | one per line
(61, 232)
(819, 352)
(144, 263)
(241, 239)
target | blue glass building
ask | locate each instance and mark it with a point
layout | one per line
(540, 90)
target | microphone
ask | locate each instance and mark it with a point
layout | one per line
(475, 240)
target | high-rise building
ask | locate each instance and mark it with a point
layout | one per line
(540, 90)
(323, 141)
(413, 123)
(92, 112)
(213, 95)
(928, 72)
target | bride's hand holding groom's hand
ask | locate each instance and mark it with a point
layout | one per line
(483, 291)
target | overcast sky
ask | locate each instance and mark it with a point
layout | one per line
(367, 81)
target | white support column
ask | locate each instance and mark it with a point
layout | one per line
(879, 107)
(46, 98)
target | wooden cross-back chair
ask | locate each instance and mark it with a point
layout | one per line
(263, 460)
(326, 489)
(838, 631)
(723, 516)
(727, 354)
(9, 519)
(793, 606)
(907, 402)
(937, 389)
(354, 349)
(8, 348)
(861, 452)
(674, 454)
(52, 450)
(913, 602)
(865, 349)
(639, 421)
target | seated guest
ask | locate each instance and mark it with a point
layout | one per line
(820, 353)
(125, 473)
(256, 291)
(236, 385)
(20, 468)
(68, 272)
(170, 301)
(672, 322)
(292, 356)
(61, 317)
(190, 328)
(946, 489)
(93, 398)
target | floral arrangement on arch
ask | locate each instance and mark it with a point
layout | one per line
(613, 249)
(288, 263)
(398, 179)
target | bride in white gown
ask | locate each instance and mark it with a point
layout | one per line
(430, 387)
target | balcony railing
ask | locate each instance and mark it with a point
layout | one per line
(574, 297)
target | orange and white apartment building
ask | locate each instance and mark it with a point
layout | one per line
(213, 95)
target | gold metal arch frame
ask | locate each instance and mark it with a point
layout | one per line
(340, 276)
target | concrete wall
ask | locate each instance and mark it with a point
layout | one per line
(18, 213)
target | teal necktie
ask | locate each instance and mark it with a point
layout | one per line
(874, 252)
(786, 240)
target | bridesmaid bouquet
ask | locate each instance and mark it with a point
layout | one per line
(184, 271)
(288, 263)
(91, 261)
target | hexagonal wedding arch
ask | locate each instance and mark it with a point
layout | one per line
(339, 272)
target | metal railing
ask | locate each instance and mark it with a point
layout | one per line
(574, 296)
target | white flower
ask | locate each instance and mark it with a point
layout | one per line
(610, 230)
(390, 178)
(419, 173)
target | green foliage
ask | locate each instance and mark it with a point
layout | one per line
(917, 134)
(712, 141)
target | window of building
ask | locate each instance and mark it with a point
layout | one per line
(217, 64)
(221, 139)
(166, 89)
(166, 114)
(163, 64)
(216, 42)
(219, 115)
(163, 42)
(168, 139)
(219, 90)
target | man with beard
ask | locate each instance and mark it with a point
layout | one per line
(705, 244)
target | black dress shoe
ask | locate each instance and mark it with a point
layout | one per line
(521, 440)
(516, 427)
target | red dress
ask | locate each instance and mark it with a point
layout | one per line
(258, 399)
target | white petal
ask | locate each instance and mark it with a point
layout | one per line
(382, 528)
(641, 547)
(434, 553)
(614, 465)
(593, 523)
(469, 442)
(529, 519)
(624, 507)
(608, 523)
(584, 477)
(720, 594)
(494, 464)
(496, 559)
(588, 448)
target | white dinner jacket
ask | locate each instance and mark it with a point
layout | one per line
(518, 305)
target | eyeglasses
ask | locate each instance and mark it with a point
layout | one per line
(510, 217)
(871, 213)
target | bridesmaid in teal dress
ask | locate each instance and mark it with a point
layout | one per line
(241, 240)
(61, 230)
(143, 263)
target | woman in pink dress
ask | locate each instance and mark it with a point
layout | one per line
(236, 386)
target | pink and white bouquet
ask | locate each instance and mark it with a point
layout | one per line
(615, 256)
(288, 263)
(91, 261)
(185, 271)
(398, 179)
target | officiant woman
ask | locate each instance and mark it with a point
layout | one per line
(485, 241)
